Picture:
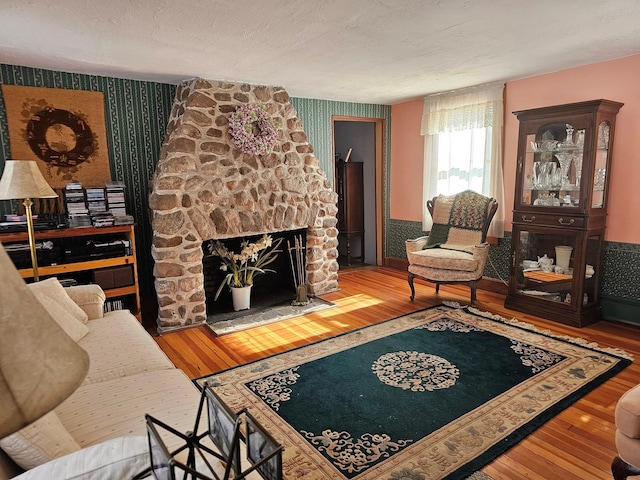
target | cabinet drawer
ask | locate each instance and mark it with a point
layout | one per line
(114, 277)
(548, 220)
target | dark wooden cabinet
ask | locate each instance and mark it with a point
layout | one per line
(560, 209)
(350, 190)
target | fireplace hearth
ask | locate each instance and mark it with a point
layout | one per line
(205, 188)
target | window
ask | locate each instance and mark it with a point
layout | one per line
(463, 139)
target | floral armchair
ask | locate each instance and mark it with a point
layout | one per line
(455, 251)
(627, 417)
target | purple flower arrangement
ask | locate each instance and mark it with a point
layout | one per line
(252, 129)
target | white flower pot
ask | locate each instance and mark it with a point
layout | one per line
(241, 298)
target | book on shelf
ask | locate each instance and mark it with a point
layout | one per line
(112, 304)
(116, 198)
(96, 201)
(98, 206)
(123, 220)
(104, 219)
(95, 193)
(79, 221)
(76, 205)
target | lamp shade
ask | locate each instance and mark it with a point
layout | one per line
(22, 179)
(40, 365)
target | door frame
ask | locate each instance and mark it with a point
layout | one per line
(378, 173)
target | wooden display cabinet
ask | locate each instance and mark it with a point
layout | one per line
(86, 269)
(350, 189)
(560, 209)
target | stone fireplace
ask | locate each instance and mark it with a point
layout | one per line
(205, 188)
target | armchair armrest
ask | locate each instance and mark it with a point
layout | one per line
(481, 253)
(416, 244)
(481, 249)
(89, 298)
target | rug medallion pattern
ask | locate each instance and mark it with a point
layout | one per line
(430, 395)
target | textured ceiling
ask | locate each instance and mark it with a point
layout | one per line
(370, 51)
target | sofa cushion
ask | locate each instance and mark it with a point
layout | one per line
(90, 298)
(101, 411)
(39, 442)
(46, 293)
(118, 458)
(53, 291)
(119, 346)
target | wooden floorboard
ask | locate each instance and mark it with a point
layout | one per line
(576, 444)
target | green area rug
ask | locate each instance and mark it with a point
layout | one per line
(435, 394)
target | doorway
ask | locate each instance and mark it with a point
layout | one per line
(364, 136)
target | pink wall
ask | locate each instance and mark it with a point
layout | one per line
(407, 156)
(614, 80)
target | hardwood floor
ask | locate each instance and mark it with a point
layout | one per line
(576, 444)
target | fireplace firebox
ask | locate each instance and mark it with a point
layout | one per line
(269, 289)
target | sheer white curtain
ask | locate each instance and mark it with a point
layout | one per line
(463, 147)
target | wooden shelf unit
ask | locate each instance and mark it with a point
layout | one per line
(124, 232)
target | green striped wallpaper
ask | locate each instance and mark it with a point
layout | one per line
(316, 115)
(136, 115)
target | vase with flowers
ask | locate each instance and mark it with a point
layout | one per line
(242, 267)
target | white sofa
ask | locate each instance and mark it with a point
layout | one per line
(102, 424)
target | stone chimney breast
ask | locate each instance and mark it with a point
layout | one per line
(206, 188)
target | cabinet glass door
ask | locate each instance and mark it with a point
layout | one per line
(600, 173)
(592, 262)
(545, 265)
(552, 166)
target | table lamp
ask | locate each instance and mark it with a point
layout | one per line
(40, 365)
(22, 180)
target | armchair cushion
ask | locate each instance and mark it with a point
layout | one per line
(445, 259)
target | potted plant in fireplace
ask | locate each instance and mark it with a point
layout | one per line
(242, 267)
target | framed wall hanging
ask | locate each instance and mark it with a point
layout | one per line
(62, 130)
